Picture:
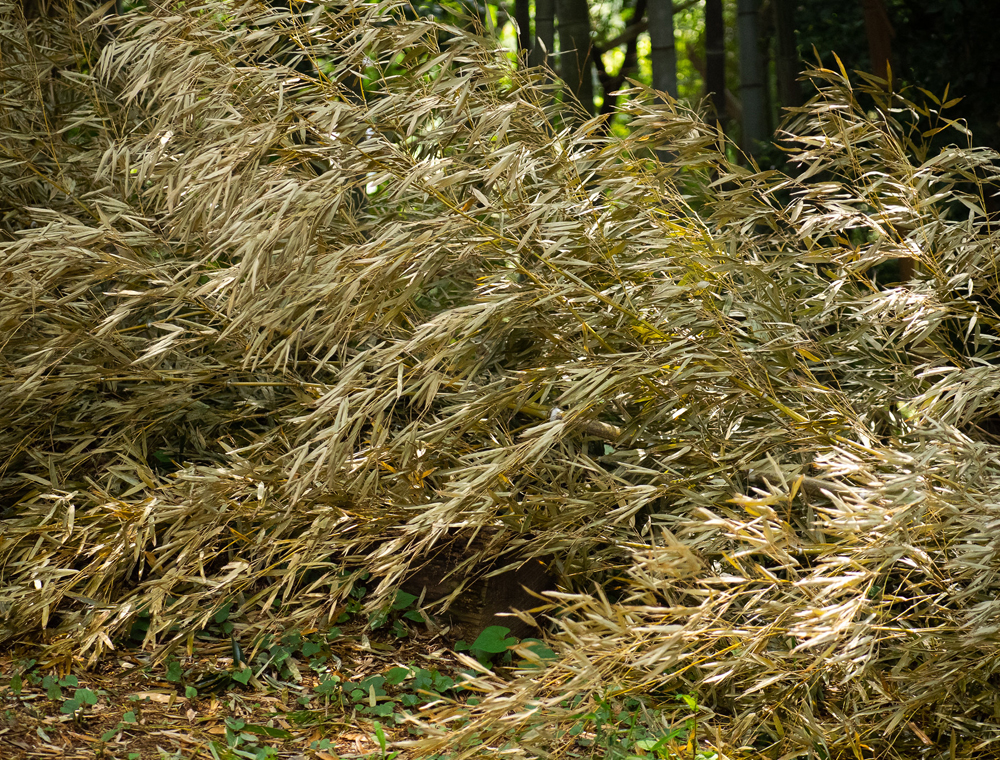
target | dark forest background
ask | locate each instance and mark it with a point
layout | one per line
(742, 58)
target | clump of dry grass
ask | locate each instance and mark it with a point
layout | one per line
(264, 325)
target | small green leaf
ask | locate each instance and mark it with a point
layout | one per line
(395, 676)
(651, 745)
(85, 697)
(538, 647)
(129, 717)
(190, 692)
(174, 672)
(69, 681)
(275, 733)
(383, 710)
(309, 648)
(242, 676)
(316, 663)
(373, 682)
(379, 735)
(493, 640)
(540, 653)
(328, 685)
(222, 614)
(423, 680)
(403, 600)
(51, 686)
(69, 707)
(442, 683)
(109, 735)
(139, 628)
(690, 700)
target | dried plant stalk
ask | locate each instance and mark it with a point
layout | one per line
(288, 296)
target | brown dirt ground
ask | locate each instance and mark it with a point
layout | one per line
(171, 726)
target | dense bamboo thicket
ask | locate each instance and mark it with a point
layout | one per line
(287, 296)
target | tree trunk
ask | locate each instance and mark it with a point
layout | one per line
(545, 33)
(522, 18)
(663, 53)
(574, 50)
(751, 78)
(715, 60)
(880, 34)
(765, 34)
(787, 59)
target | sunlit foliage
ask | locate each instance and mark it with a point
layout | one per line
(289, 296)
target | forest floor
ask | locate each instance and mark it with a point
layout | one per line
(323, 701)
